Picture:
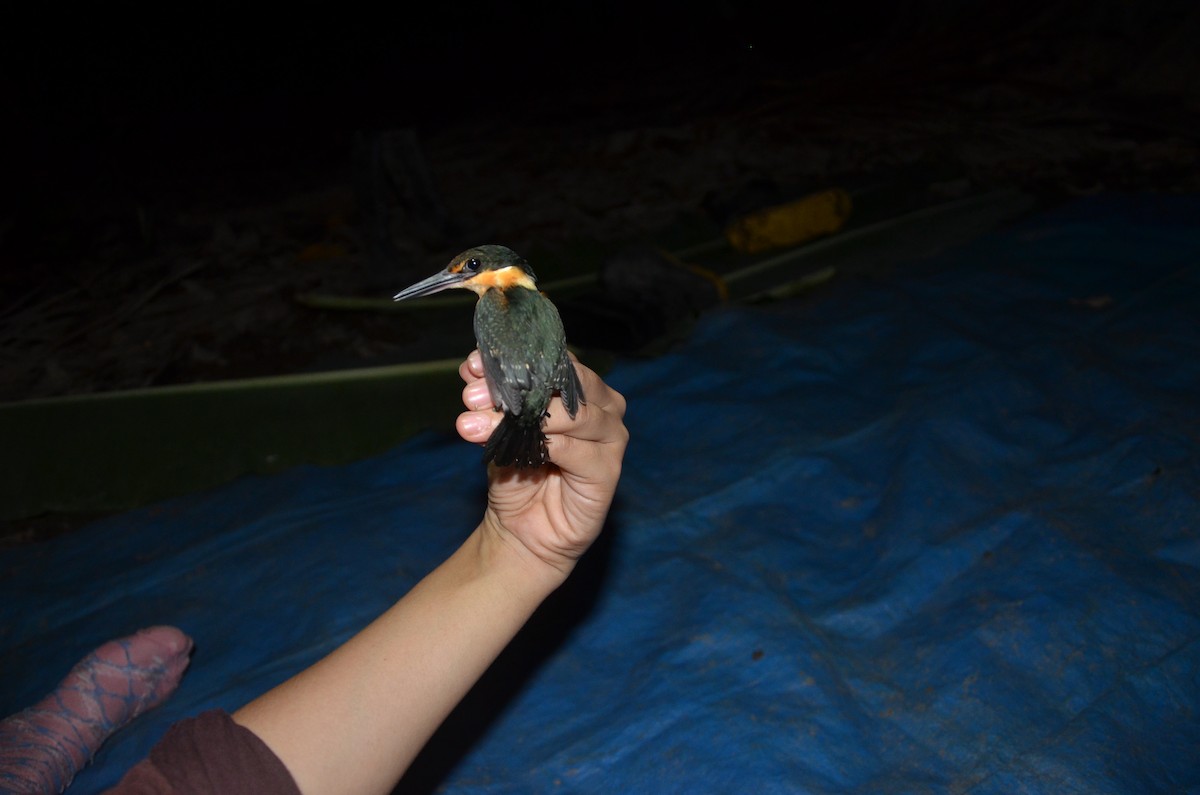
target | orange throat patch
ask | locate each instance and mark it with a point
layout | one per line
(501, 278)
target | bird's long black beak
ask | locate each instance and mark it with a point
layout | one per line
(434, 284)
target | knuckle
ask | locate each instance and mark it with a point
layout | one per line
(619, 402)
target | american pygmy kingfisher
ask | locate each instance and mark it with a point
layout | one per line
(523, 346)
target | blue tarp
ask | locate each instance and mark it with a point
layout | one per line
(937, 532)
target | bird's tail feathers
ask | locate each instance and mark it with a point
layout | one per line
(518, 444)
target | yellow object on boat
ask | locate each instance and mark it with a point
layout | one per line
(792, 223)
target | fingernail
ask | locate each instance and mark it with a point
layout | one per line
(474, 423)
(477, 394)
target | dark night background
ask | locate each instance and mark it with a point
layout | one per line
(173, 181)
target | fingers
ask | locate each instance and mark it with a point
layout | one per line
(597, 393)
(595, 431)
(472, 367)
(478, 422)
(592, 445)
(477, 426)
(476, 396)
(599, 419)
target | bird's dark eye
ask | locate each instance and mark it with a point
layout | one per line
(471, 265)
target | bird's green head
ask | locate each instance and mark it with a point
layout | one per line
(479, 269)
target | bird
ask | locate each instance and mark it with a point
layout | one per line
(523, 346)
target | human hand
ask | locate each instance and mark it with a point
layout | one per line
(551, 514)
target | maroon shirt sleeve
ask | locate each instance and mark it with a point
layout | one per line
(209, 754)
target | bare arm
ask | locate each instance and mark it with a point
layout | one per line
(353, 722)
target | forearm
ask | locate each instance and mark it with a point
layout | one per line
(354, 721)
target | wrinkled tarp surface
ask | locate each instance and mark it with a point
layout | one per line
(937, 532)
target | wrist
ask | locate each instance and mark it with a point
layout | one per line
(503, 553)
